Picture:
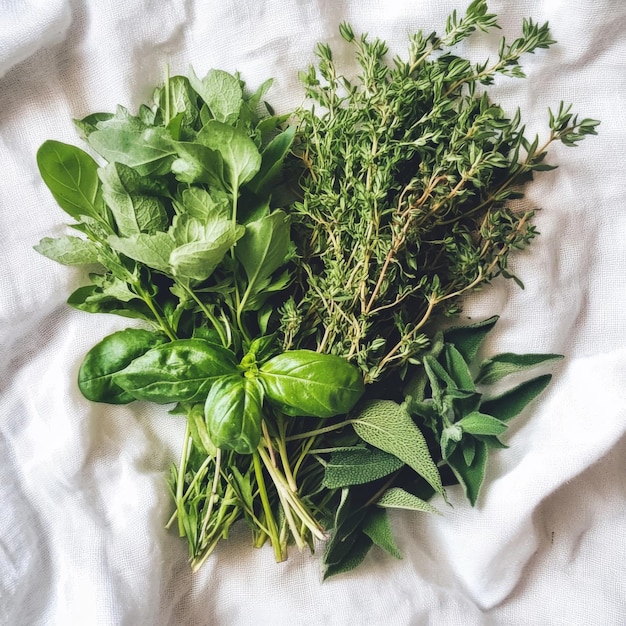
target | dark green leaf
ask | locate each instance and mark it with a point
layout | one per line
(378, 529)
(512, 402)
(355, 466)
(458, 368)
(272, 159)
(96, 377)
(468, 339)
(72, 177)
(180, 371)
(304, 382)
(477, 423)
(494, 369)
(471, 476)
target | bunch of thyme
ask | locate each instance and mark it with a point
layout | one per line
(409, 170)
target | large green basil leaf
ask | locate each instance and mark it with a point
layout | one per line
(72, 177)
(110, 356)
(303, 382)
(178, 371)
(233, 413)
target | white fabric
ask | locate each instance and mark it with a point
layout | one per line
(83, 500)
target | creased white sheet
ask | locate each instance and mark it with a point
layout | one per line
(82, 487)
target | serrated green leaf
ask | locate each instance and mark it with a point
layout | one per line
(389, 427)
(497, 367)
(152, 250)
(397, 498)
(511, 403)
(355, 466)
(378, 529)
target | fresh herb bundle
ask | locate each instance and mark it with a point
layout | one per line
(288, 271)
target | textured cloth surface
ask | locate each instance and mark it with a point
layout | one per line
(82, 486)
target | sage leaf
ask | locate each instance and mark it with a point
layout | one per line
(389, 427)
(458, 368)
(179, 371)
(470, 476)
(468, 339)
(477, 423)
(69, 250)
(221, 92)
(495, 368)
(356, 466)
(378, 529)
(397, 498)
(512, 402)
(71, 175)
(307, 383)
(233, 413)
(96, 376)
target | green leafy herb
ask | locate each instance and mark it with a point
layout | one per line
(289, 273)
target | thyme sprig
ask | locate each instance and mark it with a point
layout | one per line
(408, 173)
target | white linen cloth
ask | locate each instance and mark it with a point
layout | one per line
(83, 500)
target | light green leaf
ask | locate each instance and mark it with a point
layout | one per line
(477, 423)
(378, 529)
(149, 151)
(151, 250)
(494, 369)
(69, 250)
(356, 466)
(241, 157)
(198, 164)
(200, 204)
(458, 368)
(72, 177)
(263, 248)
(397, 498)
(182, 100)
(389, 427)
(133, 212)
(221, 92)
(201, 246)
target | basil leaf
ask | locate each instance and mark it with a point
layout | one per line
(233, 414)
(262, 250)
(153, 250)
(179, 371)
(306, 383)
(69, 250)
(107, 358)
(72, 177)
